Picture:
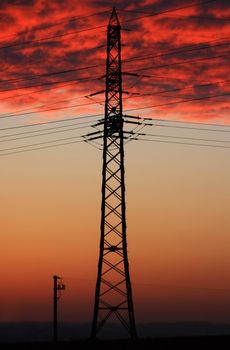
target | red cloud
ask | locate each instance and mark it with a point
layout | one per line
(56, 41)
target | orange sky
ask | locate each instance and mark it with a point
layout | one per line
(177, 195)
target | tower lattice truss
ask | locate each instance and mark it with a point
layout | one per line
(113, 289)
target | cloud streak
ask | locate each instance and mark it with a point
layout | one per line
(176, 49)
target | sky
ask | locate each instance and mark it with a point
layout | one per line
(177, 174)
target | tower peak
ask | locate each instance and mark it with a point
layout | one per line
(114, 21)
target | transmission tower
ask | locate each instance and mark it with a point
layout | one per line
(113, 296)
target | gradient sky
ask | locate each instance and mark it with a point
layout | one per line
(178, 221)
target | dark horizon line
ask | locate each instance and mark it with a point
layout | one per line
(138, 323)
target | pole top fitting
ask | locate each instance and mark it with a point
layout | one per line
(56, 277)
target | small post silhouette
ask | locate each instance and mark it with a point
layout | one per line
(56, 288)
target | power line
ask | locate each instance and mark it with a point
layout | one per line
(45, 26)
(185, 122)
(181, 101)
(40, 130)
(46, 110)
(86, 104)
(189, 128)
(163, 77)
(176, 126)
(184, 138)
(34, 92)
(177, 16)
(51, 122)
(187, 48)
(181, 89)
(35, 76)
(141, 57)
(218, 19)
(69, 82)
(181, 143)
(165, 11)
(51, 83)
(39, 148)
(45, 105)
(39, 135)
(93, 144)
(98, 115)
(39, 143)
(41, 40)
(31, 63)
(181, 62)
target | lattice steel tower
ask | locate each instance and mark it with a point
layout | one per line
(113, 295)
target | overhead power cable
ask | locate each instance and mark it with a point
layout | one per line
(72, 82)
(167, 78)
(215, 19)
(51, 83)
(181, 101)
(44, 75)
(153, 14)
(180, 89)
(39, 143)
(98, 78)
(193, 122)
(42, 40)
(39, 148)
(139, 139)
(176, 121)
(176, 51)
(182, 143)
(149, 13)
(183, 138)
(46, 26)
(172, 51)
(44, 129)
(37, 108)
(39, 133)
(226, 54)
(25, 114)
(189, 128)
(51, 122)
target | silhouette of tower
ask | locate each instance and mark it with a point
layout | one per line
(57, 288)
(113, 296)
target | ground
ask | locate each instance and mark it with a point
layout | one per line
(185, 343)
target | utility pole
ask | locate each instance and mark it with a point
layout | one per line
(56, 295)
(113, 295)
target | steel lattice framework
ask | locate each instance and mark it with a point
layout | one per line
(113, 295)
